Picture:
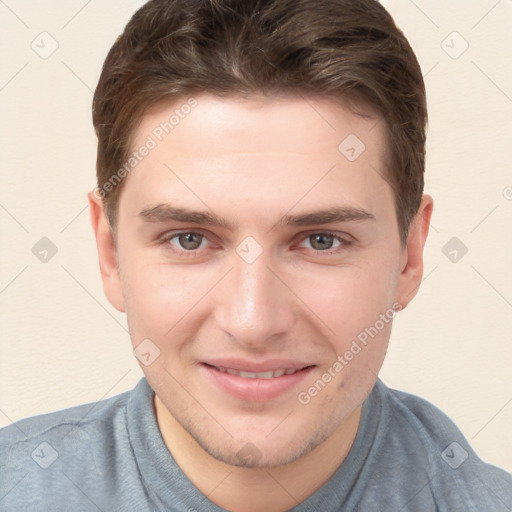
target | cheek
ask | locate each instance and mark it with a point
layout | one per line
(150, 298)
(158, 296)
(351, 298)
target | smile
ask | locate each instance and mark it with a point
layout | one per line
(257, 375)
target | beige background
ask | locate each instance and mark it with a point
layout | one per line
(63, 344)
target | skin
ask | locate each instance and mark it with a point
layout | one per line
(252, 162)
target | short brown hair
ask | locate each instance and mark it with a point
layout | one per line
(347, 49)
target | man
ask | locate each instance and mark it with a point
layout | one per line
(260, 218)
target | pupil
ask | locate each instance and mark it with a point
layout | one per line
(321, 241)
(190, 240)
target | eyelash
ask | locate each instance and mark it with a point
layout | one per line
(167, 237)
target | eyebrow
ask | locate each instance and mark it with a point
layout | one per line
(341, 214)
(166, 212)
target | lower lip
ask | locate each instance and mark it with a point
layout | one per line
(256, 390)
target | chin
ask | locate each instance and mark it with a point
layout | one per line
(260, 451)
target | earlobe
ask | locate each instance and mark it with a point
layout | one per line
(412, 267)
(106, 253)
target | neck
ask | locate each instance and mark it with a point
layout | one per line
(238, 489)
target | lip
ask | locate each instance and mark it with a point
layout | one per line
(255, 389)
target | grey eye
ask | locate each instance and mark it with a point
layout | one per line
(322, 241)
(189, 241)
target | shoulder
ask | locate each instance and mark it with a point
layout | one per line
(52, 451)
(88, 417)
(455, 472)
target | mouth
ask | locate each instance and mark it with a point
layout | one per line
(270, 374)
(249, 383)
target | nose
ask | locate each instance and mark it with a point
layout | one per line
(255, 308)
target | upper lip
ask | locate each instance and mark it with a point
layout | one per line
(258, 367)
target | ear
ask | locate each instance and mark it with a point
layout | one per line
(412, 262)
(106, 253)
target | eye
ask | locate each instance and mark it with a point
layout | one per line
(186, 241)
(323, 242)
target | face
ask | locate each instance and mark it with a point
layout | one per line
(260, 260)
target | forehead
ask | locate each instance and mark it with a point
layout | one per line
(251, 124)
(257, 152)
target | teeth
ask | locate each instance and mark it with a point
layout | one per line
(250, 375)
(257, 375)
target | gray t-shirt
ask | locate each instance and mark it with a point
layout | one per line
(110, 456)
